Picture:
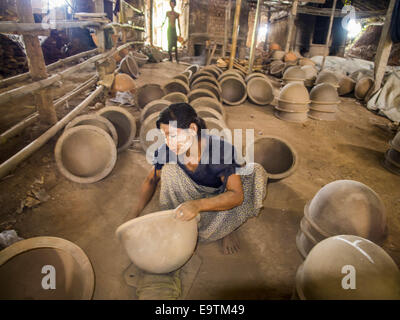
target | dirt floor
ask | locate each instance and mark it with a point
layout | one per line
(88, 215)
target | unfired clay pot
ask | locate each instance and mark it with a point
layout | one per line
(176, 97)
(148, 93)
(260, 91)
(233, 90)
(158, 242)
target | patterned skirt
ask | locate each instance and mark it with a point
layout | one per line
(177, 187)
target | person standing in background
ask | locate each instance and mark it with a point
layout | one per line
(172, 35)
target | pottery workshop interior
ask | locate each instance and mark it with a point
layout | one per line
(199, 150)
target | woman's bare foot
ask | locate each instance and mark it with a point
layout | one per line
(230, 244)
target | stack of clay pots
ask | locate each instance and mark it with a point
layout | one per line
(259, 89)
(392, 156)
(326, 76)
(293, 103)
(87, 150)
(197, 86)
(342, 207)
(294, 74)
(324, 102)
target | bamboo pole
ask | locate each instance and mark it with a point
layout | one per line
(254, 37)
(235, 32)
(268, 26)
(32, 87)
(328, 37)
(292, 17)
(11, 163)
(61, 62)
(101, 40)
(17, 128)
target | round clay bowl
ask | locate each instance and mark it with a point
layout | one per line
(323, 107)
(176, 85)
(210, 103)
(198, 93)
(260, 91)
(123, 83)
(357, 75)
(176, 97)
(327, 77)
(193, 69)
(275, 46)
(207, 112)
(148, 93)
(153, 107)
(85, 154)
(148, 124)
(217, 127)
(277, 69)
(294, 92)
(94, 120)
(306, 62)
(310, 71)
(130, 67)
(140, 58)
(124, 123)
(21, 266)
(324, 93)
(346, 207)
(275, 154)
(297, 117)
(209, 86)
(201, 73)
(346, 85)
(294, 74)
(323, 116)
(395, 142)
(255, 74)
(158, 242)
(290, 56)
(208, 79)
(391, 163)
(321, 276)
(212, 70)
(229, 73)
(234, 90)
(188, 74)
(278, 55)
(183, 78)
(363, 86)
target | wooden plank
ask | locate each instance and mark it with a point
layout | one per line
(383, 51)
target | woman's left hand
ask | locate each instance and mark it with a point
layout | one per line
(187, 210)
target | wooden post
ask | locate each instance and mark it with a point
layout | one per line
(227, 20)
(151, 21)
(235, 32)
(254, 36)
(37, 66)
(328, 37)
(383, 51)
(268, 26)
(101, 41)
(292, 17)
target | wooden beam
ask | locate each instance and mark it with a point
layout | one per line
(228, 9)
(27, 27)
(235, 32)
(383, 51)
(326, 12)
(101, 40)
(254, 36)
(328, 37)
(151, 21)
(292, 17)
(37, 66)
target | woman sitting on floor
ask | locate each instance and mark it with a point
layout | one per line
(194, 181)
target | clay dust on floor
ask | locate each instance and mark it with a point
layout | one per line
(88, 215)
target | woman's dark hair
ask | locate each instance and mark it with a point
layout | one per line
(183, 114)
(173, 1)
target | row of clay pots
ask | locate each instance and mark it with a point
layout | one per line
(87, 150)
(196, 86)
(392, 156)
